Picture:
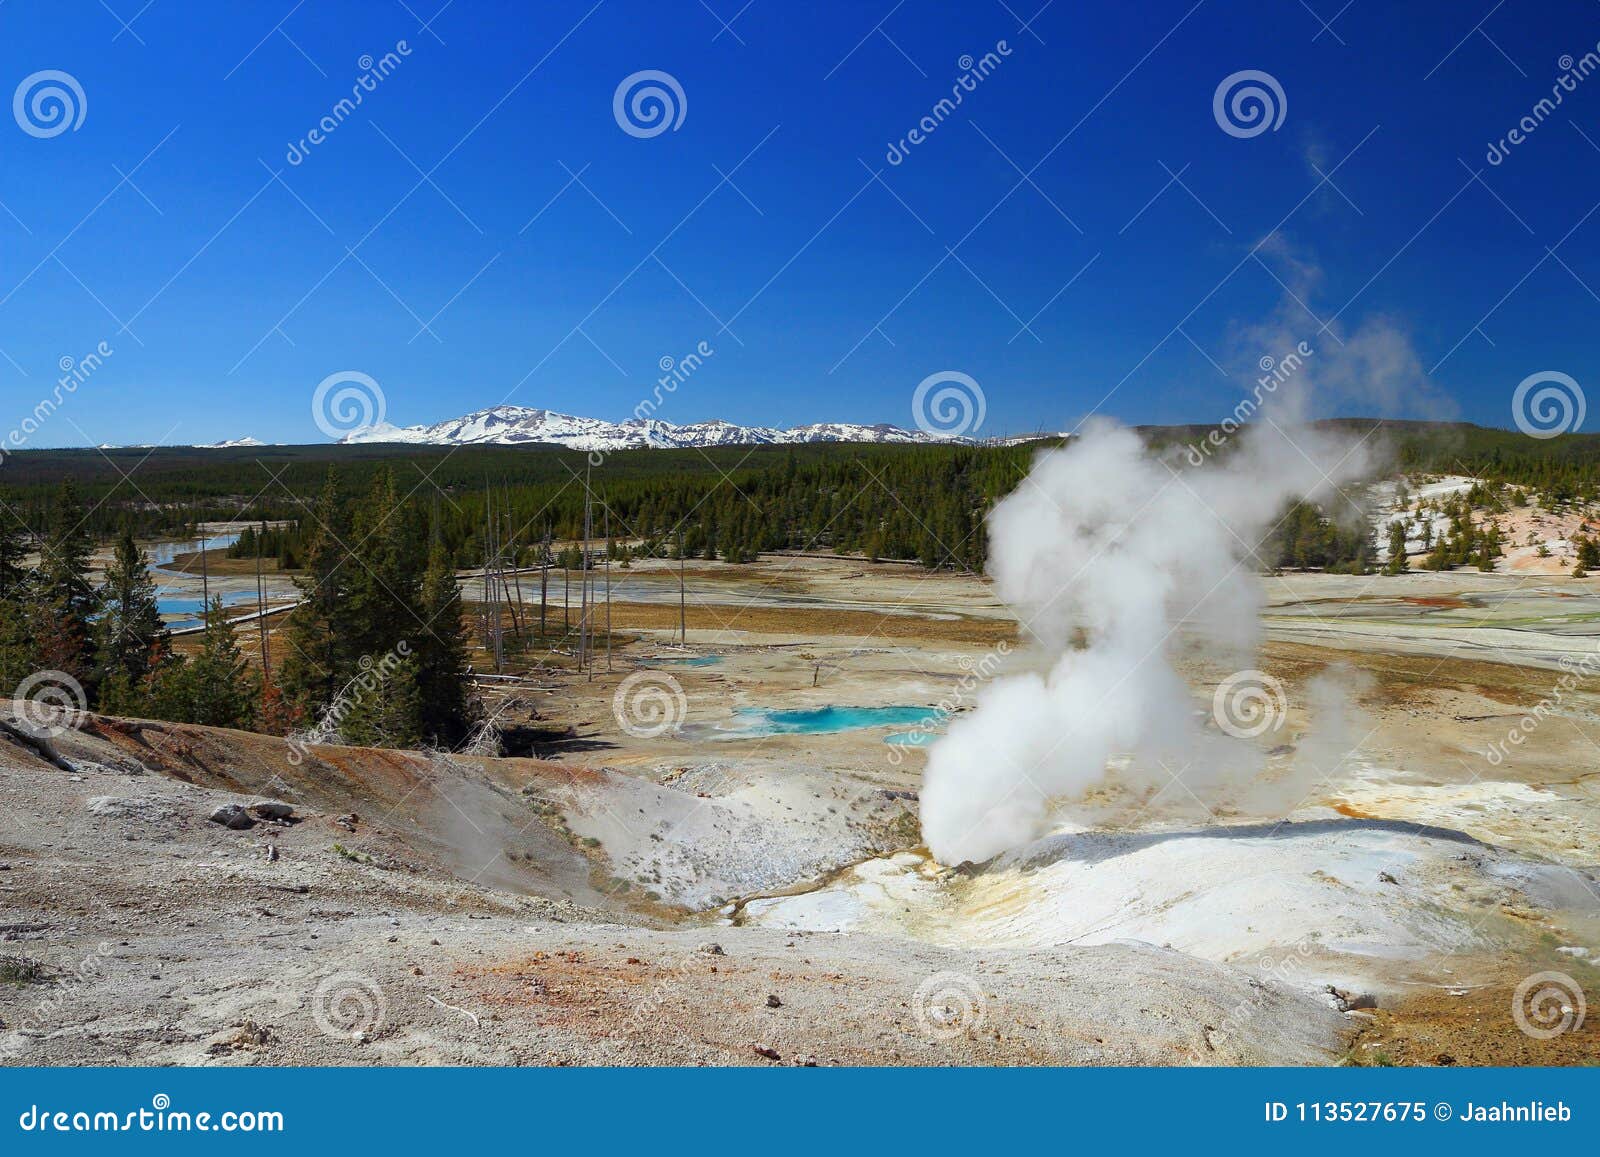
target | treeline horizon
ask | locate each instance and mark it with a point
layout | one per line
(917, 502)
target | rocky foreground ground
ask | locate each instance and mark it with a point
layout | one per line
(138, 929)
(575, 908)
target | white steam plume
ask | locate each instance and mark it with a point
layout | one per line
(1335, 726)
(1106, 551)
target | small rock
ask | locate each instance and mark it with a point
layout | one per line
(152, 809)
(765, 1051)
(1444, 1059)
(251, 1034)
(272, 809)
(1387, 878)
(711, 949)
(1349, 1002)
(774, 1002)
(231, 815)
(272, 853)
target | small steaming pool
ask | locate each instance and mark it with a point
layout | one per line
(755, 722)
(685, 661)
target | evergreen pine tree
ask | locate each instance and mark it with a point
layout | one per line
(62, 600)
(216, 688)
(385, 708)
(441, 655)
(1446, 551)
(16, 643)
(318, 657)
(13, 548)
(16, 646)
(131, 640)
(1397, 563)
(385, 572)
(1588, 556)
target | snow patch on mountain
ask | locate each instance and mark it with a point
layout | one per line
(511, 425)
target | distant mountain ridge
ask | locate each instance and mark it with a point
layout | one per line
(510, 425)
(233, 444)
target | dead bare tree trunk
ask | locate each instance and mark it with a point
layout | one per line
(261, 618)
(608, 587)
(39, 744)
(544, 580)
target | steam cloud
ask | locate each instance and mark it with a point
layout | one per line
(1107, 550)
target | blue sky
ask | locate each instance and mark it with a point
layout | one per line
(229, 282)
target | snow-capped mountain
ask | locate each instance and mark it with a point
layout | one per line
(509, 425)
(233, 444)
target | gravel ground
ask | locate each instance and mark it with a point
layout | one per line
(416, 909)
(170, 939)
